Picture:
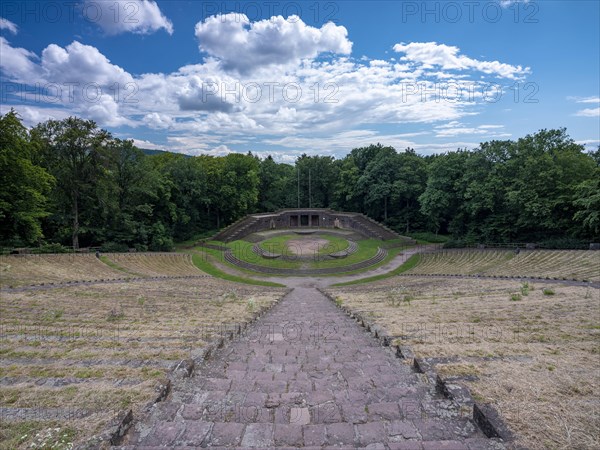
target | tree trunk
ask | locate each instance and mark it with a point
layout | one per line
(385, 209)
(75, 234)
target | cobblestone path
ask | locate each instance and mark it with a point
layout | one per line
(306, 375)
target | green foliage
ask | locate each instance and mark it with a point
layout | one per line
(564, 243)
(24, 185)
(113, 247)
(516, 297)
(52, 248)
(406, 266)
(548, 291)
(427, 236)
(72, 183)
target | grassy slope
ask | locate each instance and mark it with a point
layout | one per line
(408, 264)
(202, 259)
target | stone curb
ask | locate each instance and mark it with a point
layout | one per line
(377, 258)
(495, 277)
(117, 429)
(484, 415)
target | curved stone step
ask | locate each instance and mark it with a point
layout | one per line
(377, 258)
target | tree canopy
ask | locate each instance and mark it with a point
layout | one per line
(73, 183)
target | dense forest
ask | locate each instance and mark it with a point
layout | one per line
(68, 182)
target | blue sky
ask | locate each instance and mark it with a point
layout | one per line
(286, 78)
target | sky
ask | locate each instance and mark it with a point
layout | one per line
(316, 77)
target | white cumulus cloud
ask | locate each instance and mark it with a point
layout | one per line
(6, 24)
(589, 112)
(127, 16)
(242, 45)
(431, 54)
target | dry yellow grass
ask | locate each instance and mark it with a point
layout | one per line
(155, 264)
(568, 264)
(102, 348)
(535, 355)
(23, 270)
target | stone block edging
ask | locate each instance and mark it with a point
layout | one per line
(116, 430)
(484, 415)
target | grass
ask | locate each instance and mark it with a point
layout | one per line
(104, 333)
(100, 334)
(278, 244)
(115, 266)
(243, 250)
(201, 259)
(581, 265)
(190, 242)
(534, 361)
(406, 266)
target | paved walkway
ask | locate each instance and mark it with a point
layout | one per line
(306, 375)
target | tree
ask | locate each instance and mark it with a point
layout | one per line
(24, 185)
(410, 182)
(441, 200)
(72, 152)
(377, 180)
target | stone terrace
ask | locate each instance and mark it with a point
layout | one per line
(306, 375)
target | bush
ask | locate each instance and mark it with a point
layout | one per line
(458, 243)
(114, 247)
(564, 244)
(548, 291)
(429, 237)
(516, 297)
(52, 248)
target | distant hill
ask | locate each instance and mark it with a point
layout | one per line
(150, 152)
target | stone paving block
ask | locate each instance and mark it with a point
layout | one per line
(164, 433)
(226, 434)
(196, 434)
(444, 445)
(277, 387)
(384, 411)
(288, 435)
(166, 411)
(192, 411)
(300, 416)
(328, 412)
(405, 445)
(340, 434)
(354, 412)
(271, 386)
(370, 433)
(253, 414)
(258, 435)
(402, 429)
(432, 429)
(314, 435)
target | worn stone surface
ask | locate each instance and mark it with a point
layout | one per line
(306, 375)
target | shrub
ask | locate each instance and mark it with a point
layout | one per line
(114, 247)
(548, 291)
(516, 297)
(459, 243)
(52, 248)
(564, 244)
(429, 237)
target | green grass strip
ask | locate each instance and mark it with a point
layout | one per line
(115, 266)
(407, 265)
(202, 263)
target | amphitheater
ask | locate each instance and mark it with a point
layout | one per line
(301, 328)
